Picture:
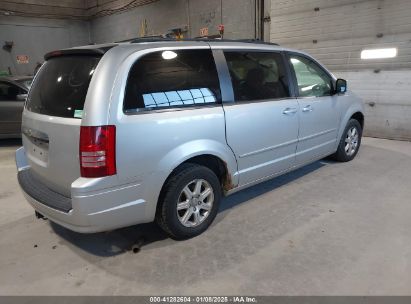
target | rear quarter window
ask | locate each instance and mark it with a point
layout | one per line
(178, 78)
(61, 86)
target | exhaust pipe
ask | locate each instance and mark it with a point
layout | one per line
(40, 216)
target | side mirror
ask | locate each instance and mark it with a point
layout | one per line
(21, 97)
(341, 86)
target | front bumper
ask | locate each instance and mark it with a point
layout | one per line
(84, 212)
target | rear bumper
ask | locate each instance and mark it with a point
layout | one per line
(85, 212)
(38, 191)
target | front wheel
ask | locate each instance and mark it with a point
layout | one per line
(350, 142)
(189, 202)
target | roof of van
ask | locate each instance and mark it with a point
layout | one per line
(144, 43)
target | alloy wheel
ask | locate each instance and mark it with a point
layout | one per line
(351, 141)
(195, 203)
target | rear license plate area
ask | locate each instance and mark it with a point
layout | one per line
(40, 150)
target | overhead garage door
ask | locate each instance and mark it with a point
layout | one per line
(336, 31)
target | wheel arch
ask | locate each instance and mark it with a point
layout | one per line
(359, 116)
(356, 112)
(215, 164)
(209, 153)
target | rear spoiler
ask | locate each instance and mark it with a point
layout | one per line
(79, 52)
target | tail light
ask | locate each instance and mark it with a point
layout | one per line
(98, 151)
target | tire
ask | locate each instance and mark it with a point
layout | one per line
(186, 191)
(349, 144)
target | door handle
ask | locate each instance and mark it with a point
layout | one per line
(290, 111)
(308, 109)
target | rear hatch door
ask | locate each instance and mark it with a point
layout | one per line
(52, 119)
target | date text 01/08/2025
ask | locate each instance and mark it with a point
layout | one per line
(203, 299)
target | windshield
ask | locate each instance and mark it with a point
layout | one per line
(61, 86)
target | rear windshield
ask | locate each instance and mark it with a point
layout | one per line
(61, 86)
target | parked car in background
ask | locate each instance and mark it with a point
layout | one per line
(122, 134)
(13, 94)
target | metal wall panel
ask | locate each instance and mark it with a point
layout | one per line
(386, 96)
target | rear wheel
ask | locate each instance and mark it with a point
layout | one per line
(189, 202)
(350, 142)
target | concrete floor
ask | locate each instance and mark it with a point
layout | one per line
(326, 229)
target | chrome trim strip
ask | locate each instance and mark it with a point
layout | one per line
(269, 148)
(317, 134)
(287, 143)
(239, 103)
(137, 202)
(271, 162)
(35, 134)
(314, 148)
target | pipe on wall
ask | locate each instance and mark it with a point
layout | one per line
(258, 19)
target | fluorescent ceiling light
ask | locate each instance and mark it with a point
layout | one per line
(379, 53)
(169, 55)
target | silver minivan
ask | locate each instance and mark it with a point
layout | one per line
(127, 133)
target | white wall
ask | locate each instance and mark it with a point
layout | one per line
(342, 28)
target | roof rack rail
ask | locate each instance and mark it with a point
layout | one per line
(144, 39)
(248, 40)
(206, 39)
(256, 41)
